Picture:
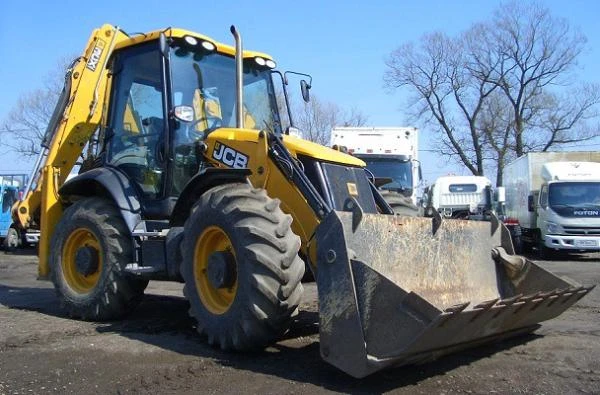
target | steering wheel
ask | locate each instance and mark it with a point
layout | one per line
(191, 134)
(135, 139)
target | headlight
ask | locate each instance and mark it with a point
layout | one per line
(208, 46)
(552, 228)
(265, 62)
(193, 42)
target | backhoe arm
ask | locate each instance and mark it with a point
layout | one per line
(77, 115)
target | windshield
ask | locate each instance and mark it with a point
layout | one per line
(205, 82)
(399, 171)
(574, 194)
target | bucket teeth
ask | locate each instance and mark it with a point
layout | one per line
(482, 308)
(456, 308)
(510, 301)
(486, 305)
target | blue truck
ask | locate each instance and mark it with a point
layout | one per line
(11, 188)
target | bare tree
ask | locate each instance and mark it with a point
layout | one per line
(25, 125)
(540, 53)
(496, 126)
(496, 91)
(450, 87)
(317, 118)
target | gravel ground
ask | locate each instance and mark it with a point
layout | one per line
(157, 350)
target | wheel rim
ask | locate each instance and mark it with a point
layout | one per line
(216, 300)
(78, 240)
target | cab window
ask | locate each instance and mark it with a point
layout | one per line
(544, 196)
(136, 121)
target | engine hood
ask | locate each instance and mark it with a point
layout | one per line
(298, 146)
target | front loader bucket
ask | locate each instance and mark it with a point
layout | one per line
(397, 290)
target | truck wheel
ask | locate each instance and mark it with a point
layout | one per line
(12, 240)
(526, 246)
(546, 253)
(89, 250)
(400, 203)
(241, 267)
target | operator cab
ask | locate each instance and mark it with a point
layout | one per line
(162, 107)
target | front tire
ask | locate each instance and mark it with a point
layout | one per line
(241, 267)
(89, 250)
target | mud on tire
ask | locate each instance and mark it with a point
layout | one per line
(94, 226)
(266, 288)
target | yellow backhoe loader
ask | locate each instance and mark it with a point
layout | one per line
(186, 175)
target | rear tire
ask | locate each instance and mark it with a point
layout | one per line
(89, 250)
(547, 254)
(243, 231)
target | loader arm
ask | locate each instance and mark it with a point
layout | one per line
(75, 119)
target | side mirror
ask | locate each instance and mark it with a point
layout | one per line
(501, 195)
(184, 113)
(530, 204)
(305, 88)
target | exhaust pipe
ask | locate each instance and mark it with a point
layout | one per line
(239, 82)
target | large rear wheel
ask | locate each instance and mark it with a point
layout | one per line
(241, 267)
(89, 250)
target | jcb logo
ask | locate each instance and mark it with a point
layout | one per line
(95, 56)
(229, 156)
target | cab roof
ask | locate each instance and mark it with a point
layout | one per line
(171, 32)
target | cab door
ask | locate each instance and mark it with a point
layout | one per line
(136, 122)
(541, 211)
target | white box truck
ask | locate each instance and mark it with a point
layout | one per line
(554, 198)
(391, 154)
(459, 197)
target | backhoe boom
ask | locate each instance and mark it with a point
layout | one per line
(76, 117)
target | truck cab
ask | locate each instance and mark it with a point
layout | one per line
(459, 197)
(11, 188)
(568, 206)
(391, 155)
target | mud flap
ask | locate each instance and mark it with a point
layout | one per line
(397, 290)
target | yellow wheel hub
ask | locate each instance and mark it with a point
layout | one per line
(215, 270)
(82, 260)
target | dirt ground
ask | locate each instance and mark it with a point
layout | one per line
(157, 350)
